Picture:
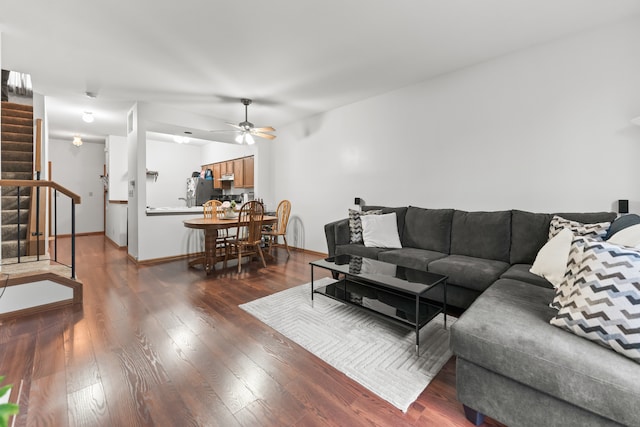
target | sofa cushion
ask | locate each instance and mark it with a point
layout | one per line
(529, 232)
(507, 331)
(604, 302)
(359, 249)
(473, 273)
(521, 272)
(481, 234)
(428, 229)
(410, 257)
(400, 215)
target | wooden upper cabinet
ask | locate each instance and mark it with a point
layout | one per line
(248, 171)
(216, 175)
(238, 174)
(223, 168)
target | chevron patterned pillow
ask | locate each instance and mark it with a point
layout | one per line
(355, 224)
(574, 263)
(604, 303)
(598, 230)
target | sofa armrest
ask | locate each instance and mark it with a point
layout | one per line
(336, 233)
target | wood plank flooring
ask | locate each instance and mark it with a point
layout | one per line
(165, 345)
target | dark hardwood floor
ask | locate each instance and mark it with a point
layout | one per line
(166, 345)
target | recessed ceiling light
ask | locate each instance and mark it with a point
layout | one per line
(187, 132)
(88, 117)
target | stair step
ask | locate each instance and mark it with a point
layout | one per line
(9, 232)
(10, 249)
(11, 202)
(16, 175)
(16, 156)
(16, 137)
(14, 166)
(12, 106)
(17, 113)
(11, 190)
(20, 121)
(26, 146)
(10, 217)
(25, 130)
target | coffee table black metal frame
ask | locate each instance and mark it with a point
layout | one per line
(377, 277)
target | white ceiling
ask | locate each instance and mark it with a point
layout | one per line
(294, 58)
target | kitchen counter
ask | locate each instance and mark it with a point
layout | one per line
(173, 210)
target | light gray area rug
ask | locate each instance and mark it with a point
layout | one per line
(375, 352)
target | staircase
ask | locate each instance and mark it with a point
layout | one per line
(17, 163)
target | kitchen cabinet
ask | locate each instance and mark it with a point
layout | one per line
(247, 166)
(238, 173)
(229, 166)
(216, 175)
(223, 168)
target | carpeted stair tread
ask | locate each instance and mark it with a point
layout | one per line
(20, 121)
(11, 202)
(10, 249)
(16, 175)
(18, 129)
(14, 106)
(17, 137)
(11, 190)
(16, 156)
(15, 145)
(14, 166)
(9, 232)
(11, 216)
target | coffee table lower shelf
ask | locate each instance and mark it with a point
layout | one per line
(381, 301)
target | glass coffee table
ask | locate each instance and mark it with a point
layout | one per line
(394, 292)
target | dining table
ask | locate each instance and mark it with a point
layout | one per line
(213, 227)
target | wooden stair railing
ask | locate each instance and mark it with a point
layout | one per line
(39, 225)
(37, 216)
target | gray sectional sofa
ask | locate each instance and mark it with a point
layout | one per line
(512, 364)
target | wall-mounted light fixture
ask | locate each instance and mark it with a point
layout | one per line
(77, 141)
(87, 116)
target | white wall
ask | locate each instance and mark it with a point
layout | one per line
(174, 164)
(543, 129)
(117, 167)
(78, 169)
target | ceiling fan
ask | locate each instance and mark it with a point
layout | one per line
(246, 130)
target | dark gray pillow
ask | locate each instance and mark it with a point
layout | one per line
(621, 223)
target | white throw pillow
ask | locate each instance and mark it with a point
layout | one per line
(629, 236)
(551, 261)
(380, 231)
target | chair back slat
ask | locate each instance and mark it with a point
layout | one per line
(283, 212)
(211, 208)
(250, 222)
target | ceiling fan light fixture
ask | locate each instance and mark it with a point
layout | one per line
(249, 139)
(239, 138)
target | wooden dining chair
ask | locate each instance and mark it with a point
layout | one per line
(280, 228)
(213, 209)
(247, 239)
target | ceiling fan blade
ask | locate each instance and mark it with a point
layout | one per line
(234, 125)
(263, 135)
(265, 129)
